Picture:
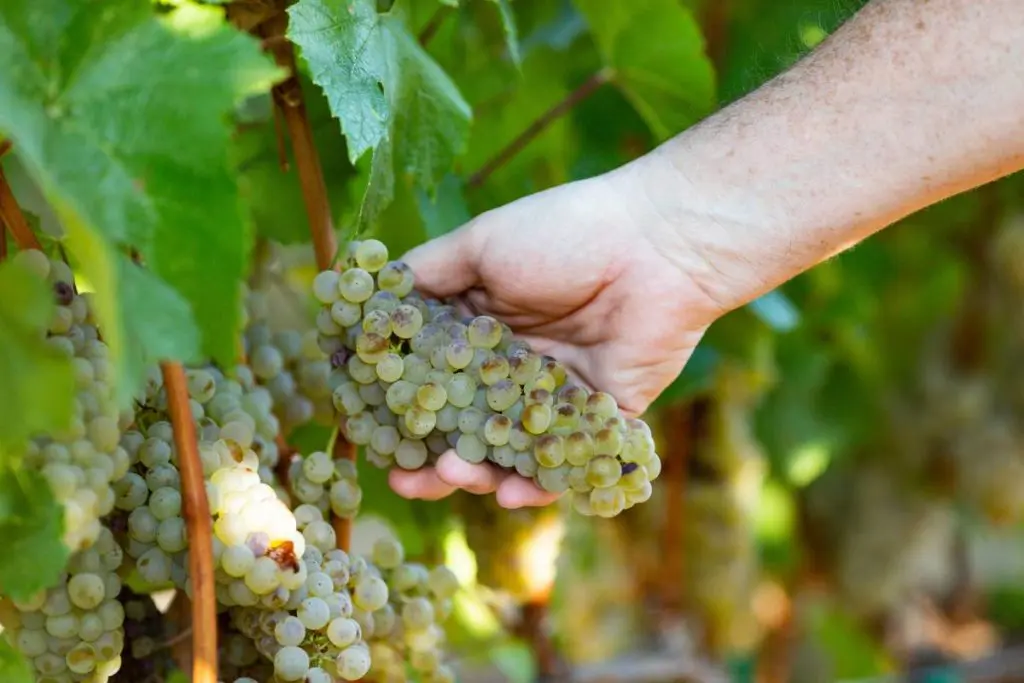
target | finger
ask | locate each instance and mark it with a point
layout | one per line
(447, 265)
(519, 492)
(479, 479)
(423, 484)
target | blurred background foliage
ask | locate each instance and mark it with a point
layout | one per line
(844, 476)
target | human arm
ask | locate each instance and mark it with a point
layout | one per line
(620, 275)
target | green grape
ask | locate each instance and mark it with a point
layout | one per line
(603, 471)
(607, 442)
(542, 396)
(416, 369)
(537, 418)
(437, 442)
(578, 479)
(377, 322)
(556, 370)
(554, 479)
(497, 430)
(420, 421)
(388, 553)
(639, 495)
(471, 449)
(458, 354)
(549, 451)
(427, 339)
(519, 438)
(493, 369)
(439, 358)
(653, 468)
(432, 396)
(347, 400)
(385, 439)
(382, 301)
(370, 594)
(359, 428)
(607, 502)
(356, 285)
(362, 372)
(448, 418)
(471, 420)
(346, 313)
(524, 367)
(567, 417)
(480, 356)
(602, 404)
(417, 614)
(390, 368)
(372, 394)
(525, 465)
(442, 377)
(456, 330)
(541, 380)
(372, 348)
(396, 277)
(484, 332)
(591, 423)
(325, 287)
(401, 396)
(574, 394)
(502, 395)
(579, 448)
(461, 389)
(633, 477)
(516, 411)
(371, 255)
(411, 454)
(581, 503)
(406, 321)
(504, 456)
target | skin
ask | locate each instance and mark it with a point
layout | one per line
(619, 276)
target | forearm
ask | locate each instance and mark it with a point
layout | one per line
(908, 103)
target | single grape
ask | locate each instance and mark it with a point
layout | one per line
(603, 471)
(356, 285)
(432, 396)
(541, 380)
(417, 614)
(526, 465)
(291, 664)
(549, 450)
(370, 594)
(359, 428)
(415, 369)
(536, 418)
(401, 396)
(554, 479)
(372, 348)
(607, 502)
(607, 442)
(458, 354)
(519, 438)
(420, 421)
(497, 430)
(390, 368)
(602, 404)
(371, 255)
(346, 313)
(493, 369)
(325, 287)
(353, 663)
(406, 321)
(471, 449)
(484, 332)
(360, 371)
(565, 420)
(574, 394)
(411, 454)
(461, 390)
(502, 395)
(290, 632)
(396, 277)
(523, 367)
(378, 322)
(385, 439)
(448, 418)
(503, 456)
(442, 582)
(343, 631)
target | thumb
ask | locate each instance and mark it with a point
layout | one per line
(447, 265)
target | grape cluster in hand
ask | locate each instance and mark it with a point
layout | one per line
(413, 379)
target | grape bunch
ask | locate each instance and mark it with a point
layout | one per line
(330, 485)
(81, 462)
(413, 378)
(73, 631)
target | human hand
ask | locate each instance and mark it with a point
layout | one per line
(580, 273)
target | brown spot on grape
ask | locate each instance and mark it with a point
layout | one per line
(284, 555)
(64, 293)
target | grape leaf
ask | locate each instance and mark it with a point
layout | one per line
(38, 385)
(508, 24)
(343, 45)
(446, 211)
(121, 119)
(362, 59)
(656, 50)
(31, 526)
(14, 667)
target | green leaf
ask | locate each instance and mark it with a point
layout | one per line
(143, 319)
(122, 119)
(38, 382)
(31, 526)
(656, 51)
(508, 24)
(364, 60)
(446, 211)
(344, 47)
(14, 668)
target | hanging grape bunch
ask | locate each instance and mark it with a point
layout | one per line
(414, 379)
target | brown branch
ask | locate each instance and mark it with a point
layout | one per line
(651, 668)
(434, 24)
(196, 511)
(535, 629)
(585, 90)
(3, 243)
(289, 100)
(5, 147)
(12, 216)
(678, 421)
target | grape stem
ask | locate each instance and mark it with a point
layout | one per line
(289, 101)
(196, 510)
(12, 216)
(434, 24)
(540, 124)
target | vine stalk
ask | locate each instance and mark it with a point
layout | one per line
(539, 125)
(290, 104)
(12, 216)
(196, 510)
